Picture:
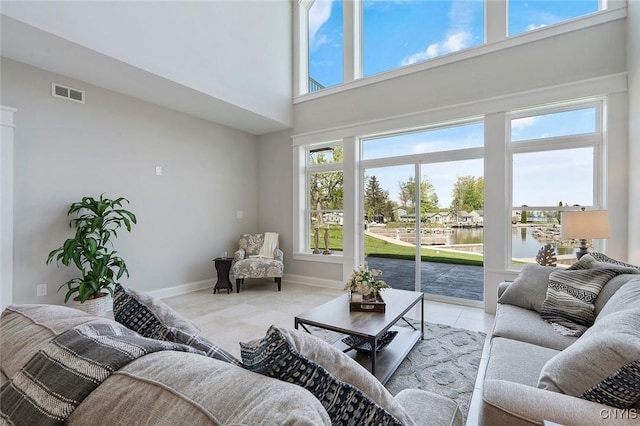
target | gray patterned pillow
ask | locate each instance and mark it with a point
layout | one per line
(275, 356)
(603, 365)
(198, 342)
(600, 257)
(147, 315)
(569, 305)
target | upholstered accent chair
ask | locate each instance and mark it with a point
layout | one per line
(258, 257)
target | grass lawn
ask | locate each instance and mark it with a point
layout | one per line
(379, 248)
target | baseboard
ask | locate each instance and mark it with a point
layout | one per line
(312, 281)
(182, 289)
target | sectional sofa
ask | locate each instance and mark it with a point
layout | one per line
(152, 368)
(538, 371)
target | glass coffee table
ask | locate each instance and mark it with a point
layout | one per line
(371, 327)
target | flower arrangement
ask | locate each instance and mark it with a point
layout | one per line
(364, 281)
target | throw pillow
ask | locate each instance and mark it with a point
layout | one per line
(296, 357)
(603, 365)
(147, 315)
(600, 257)
(529, 289)
(569, 303)
(200, 343)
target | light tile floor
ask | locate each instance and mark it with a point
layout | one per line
(227, 319)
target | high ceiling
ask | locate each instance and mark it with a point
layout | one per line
(198, 58)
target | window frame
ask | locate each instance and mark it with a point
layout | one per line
(595, 140)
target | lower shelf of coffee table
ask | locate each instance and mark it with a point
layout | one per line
(388, 359)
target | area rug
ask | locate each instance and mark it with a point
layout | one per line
(446, 362)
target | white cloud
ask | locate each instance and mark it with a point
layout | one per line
(318, 15)
(455, 41)
(535, 26)
(522, 123)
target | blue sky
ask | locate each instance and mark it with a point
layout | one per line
(397, 33)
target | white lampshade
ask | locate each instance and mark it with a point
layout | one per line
(585, 224)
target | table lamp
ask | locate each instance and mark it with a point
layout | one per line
(583, 225)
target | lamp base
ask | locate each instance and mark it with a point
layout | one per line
(582, 249)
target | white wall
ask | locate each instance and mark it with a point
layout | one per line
(112, 144)
(236, 51)
(633, 65)
(275, 201)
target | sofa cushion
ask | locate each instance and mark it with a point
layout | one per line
(627, 297)
(610, 289)
(200, 343)
(173, 388)
(529, 289)
(508, 358)
(603, 365)
(344, 387)
(569, 304)
(25, 329)
(147, 315)
(522, 324)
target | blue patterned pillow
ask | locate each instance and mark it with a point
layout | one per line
(274, 356)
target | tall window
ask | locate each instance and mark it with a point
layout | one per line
(396, 34)
(324, 198)
(325, 44)
(554, 163)
(527, 15)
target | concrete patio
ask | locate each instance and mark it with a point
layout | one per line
(442, 279)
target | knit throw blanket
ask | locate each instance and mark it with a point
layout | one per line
(569, 305)
(62, 374)
(269, 245)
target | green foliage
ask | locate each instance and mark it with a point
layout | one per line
(90, 249)
(468, 194)
(428, 196)
(523, 216)
(376, 200)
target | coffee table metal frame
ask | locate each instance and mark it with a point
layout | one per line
(370, 327)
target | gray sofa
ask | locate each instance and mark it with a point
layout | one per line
(536, 374)
(172, 385)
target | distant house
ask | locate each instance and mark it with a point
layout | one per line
(434, 217)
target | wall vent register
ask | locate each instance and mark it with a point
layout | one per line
(64, 92)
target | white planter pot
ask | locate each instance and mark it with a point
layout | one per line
(98, 306)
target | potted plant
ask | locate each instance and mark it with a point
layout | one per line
(364, 281)
(91, 251)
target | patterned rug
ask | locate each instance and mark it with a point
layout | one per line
(446, 362)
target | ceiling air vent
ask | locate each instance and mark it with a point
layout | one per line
(60, 91)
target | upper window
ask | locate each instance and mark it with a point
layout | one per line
(527, 15)
(325, 44)
(433, 140)
(565, 123)
(402, 33)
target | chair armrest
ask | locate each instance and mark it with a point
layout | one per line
(239, 254)
(278, 255)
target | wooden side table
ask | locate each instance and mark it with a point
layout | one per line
(223, 266)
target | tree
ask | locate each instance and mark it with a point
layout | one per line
(375, 199)
(428, 197)
(468, 194)
(523, 216)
